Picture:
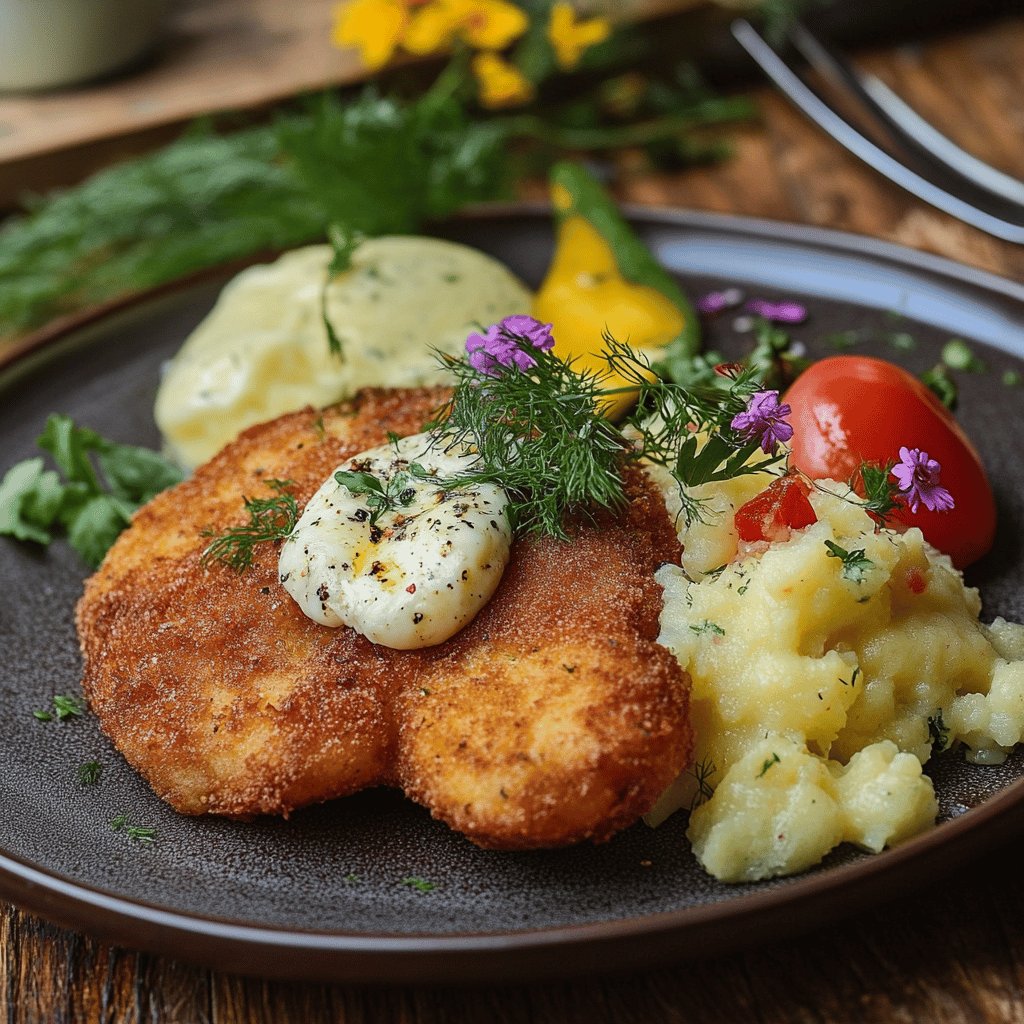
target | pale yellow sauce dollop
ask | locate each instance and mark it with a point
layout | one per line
(263, 349)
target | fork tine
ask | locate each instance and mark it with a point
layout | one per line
(799, 93)
(906, 125)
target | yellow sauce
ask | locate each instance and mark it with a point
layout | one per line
(263, 350)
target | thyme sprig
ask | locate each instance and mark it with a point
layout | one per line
(396, 491)
(540, 433)
(270, 519)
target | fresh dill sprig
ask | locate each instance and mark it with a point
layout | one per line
(137, 833)
(881, 493)
(703, 771)
(343, 246)
(270, 519)
(89, 773)
(687, 430)
(540, 435)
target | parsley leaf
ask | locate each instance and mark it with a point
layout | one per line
(855, 566)
(96, 499)
(64, 706)
(881, 494)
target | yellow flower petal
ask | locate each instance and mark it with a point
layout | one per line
(492, 24)
(433, 27)
(571, 38)
(374, 27)
(501, 84)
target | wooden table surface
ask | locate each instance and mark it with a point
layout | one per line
(952, 953)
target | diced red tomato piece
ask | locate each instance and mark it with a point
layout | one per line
(777, 510)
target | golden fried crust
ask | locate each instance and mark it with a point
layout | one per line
(551, 718)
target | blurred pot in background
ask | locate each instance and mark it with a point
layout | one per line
(46, 43)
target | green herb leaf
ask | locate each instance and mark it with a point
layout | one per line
(938, 380)
(419, 884)
(708, 627)
(703, 771)
(64, 706)
(30, 499)
(881, 493)
(92, 508)
(938, 731)
(957, 355)
(769, 763)
(372, 164)
(855, 567)
(89, 773)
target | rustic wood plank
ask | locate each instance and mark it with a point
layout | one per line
(971, 85)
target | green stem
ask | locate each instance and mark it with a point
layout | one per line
(644, 132)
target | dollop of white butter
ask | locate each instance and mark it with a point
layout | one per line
(408, 576)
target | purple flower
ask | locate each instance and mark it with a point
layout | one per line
(785, 312)
(918, 477)
(715, 302)
(764, 420)
(503, 344)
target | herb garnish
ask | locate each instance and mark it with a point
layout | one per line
(137, 833)
(708, 627)
(769, 763)
(880, 490)
(89, 773)
(64, 706)
(397, 491)
(703, 771)
(536, 425)
(938, 731)
(419, 884)
(93, 502)
(270, 519)
(855, 566)
(957, 355)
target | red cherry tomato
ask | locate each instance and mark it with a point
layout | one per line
(853, 409)
(770, 515)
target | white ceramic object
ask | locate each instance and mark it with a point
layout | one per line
(47, 43)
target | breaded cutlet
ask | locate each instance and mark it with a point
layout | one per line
(551, 718)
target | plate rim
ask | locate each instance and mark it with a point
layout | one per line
(635, 941)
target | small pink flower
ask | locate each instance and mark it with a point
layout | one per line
(715, 302)
(918, 478)
(785, 312)
(504, 344)
(764, 421)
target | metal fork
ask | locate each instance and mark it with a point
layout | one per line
(932, 167)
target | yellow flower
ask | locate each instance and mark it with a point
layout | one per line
(570, 38)
(483, 24)
(501, 84)
(374, 27)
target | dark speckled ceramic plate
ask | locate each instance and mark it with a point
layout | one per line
(321, 895)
